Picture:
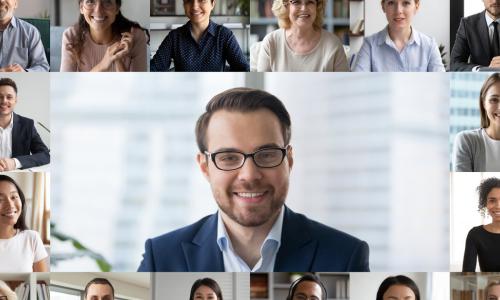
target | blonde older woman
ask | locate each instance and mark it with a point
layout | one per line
(301, 44)
(6, 292)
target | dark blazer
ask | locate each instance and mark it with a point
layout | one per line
(27, 146)
(472, 41)
(306, 246)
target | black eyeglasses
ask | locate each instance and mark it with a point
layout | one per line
(229, 160)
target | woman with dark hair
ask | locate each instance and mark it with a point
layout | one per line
(205, 289)
(200, 45)
(104, 40)
(21, 250)
(398, 287)
(483, 242)
(478, 150)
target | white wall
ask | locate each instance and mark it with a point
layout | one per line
(135, 10)
(33, 99)
(433, 19)
(32, 8)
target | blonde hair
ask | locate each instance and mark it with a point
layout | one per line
(492, 282)
(5, 289)
(280, 10)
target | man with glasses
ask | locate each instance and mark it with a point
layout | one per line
(246, 156)
(21, 46)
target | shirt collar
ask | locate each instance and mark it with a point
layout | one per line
(489, 20)
(384, 37)
(274, 234)
(13, 22)
(11, 124)
(210, 29)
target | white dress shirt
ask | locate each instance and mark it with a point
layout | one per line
(6, 142)
(268, 250)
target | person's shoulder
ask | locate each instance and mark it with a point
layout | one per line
(476, 231)
(469, 135)
(184, 234)
(24, 24)
(474, 17)
(424, 38)
(29, 234)
(274, 36)
(330, 39)
(328, 236)
(139, 35)
(23, 120)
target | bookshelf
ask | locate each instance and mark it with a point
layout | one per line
(263, 21)
(28, 286)
(470, 286)
(275, 286)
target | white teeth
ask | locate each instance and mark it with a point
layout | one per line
(250, 195)
(9, 214)
(99, 19)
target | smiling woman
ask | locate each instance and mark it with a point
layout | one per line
(21, 250)
(200, 45)
(205, 289)
(104, 40)
(301, 44)
(483, 242)
(399, 47)
(478, 150)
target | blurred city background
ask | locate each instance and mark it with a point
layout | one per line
(371, 159)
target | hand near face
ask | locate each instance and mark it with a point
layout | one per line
(495, 62)
(7, 164)
(113, 53)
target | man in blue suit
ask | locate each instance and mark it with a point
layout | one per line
(20, 144)
(245, 155)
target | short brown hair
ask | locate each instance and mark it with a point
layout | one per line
(243, 100)
(9, 82)
(280, 10)
(98, 281)
(494, 78)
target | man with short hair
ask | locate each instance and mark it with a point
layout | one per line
(477, 43)
(20, 144)
(21, 47)
(99, 289)
(246, 156)
(307, 287)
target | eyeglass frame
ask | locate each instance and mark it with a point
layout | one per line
(93, 7)
(212, 155)
(201, 2)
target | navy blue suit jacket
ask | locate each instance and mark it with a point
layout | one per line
(27, 146)
(306, 246)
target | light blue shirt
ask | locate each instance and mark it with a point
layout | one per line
(379, 54)
(268, 250)
(21, 44)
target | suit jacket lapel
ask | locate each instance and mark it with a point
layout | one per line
(202, 254)
(297, 248)
(16, 133)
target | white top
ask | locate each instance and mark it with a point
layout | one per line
(277, 56)
(6, 141)
(492, 148)
(268, 250)
(18, 253)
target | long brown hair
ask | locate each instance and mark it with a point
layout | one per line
(119, 26)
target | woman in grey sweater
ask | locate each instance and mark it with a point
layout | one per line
(478, 150)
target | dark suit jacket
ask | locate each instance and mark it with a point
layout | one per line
(472, 41)
(27, 146)
(306, 245)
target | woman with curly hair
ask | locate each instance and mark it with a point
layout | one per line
(301, 44)
(483, 242)
(104, 40)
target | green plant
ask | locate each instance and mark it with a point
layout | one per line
(80, 250)
(244, 7)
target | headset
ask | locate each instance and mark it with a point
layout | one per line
(307, 277)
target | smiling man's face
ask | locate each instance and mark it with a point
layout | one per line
(250, 196)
